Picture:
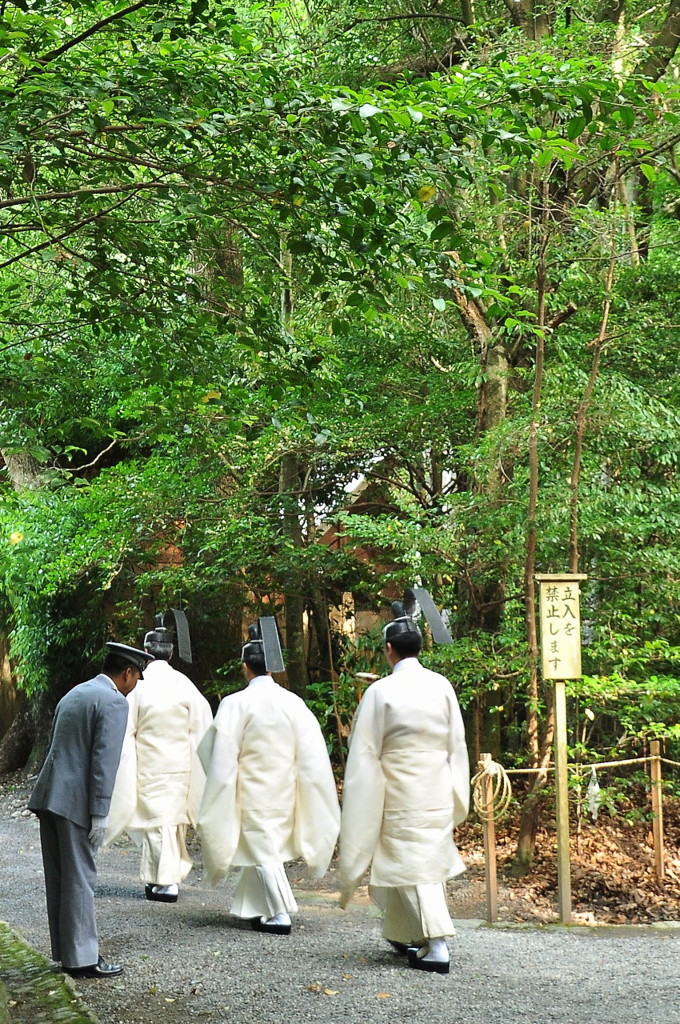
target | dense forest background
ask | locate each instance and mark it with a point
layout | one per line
(304, 300)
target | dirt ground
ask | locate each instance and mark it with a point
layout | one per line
(613, 879)
(612, 873)
(194, 960)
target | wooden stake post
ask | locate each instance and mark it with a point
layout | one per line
(561, 660)
(657, 808)
(489, 825)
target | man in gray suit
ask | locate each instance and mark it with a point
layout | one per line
(71, 799)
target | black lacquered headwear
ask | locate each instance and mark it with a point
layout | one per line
(264, 644)
(162, 634)
(406, 611)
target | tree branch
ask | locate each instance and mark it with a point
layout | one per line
(79, 469)
(51, 55)
(563, 315)
(404, 17)
(426, 64)
(65, 234)
(74, 193)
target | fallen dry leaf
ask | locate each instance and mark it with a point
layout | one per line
(330, 991)
(383, 995)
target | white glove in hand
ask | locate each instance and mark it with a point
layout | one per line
(98, 827)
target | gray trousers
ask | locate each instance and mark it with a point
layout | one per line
(70, 880)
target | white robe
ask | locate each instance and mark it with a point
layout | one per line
(160, 778)
(407, 783)
(270, 795)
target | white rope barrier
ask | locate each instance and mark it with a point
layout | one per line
(592, 764)
(501, 788)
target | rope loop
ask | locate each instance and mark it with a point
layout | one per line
(494, 806)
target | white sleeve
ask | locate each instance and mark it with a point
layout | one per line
(363, 794)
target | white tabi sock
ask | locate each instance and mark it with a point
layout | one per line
(167, 890)
(436, 949)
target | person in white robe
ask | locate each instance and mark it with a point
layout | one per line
(406, 786)
(270, 796)
(160, 778)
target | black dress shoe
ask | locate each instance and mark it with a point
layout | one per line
(258, 925)
(160, 897)
(401, 948)
(419, 964)
(99, 970)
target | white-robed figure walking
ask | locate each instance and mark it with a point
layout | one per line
(406, 787)
(270, 795)
(160, 779)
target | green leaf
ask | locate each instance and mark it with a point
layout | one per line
(575, 127)
(365, 159)
(368, 110)
(627, 115)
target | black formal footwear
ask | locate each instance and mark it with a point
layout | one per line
(401, 948)
(160, 897)
(258, 925)
(99, 970)
(420, 964)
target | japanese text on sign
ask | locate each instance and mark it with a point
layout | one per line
(560, 630)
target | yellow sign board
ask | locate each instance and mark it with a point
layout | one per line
(560, 625)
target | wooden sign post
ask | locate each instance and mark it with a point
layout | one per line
(561, 660)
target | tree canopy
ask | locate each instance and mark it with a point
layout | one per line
(257, 255)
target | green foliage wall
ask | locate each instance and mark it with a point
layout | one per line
(236, 233)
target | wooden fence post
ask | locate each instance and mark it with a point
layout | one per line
(489, 841)
(657, 808)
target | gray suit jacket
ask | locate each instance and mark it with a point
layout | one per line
(76, 780)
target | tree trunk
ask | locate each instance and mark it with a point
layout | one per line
(289, 486)
(532, 16)
(487, 600)
(467, 8)
(23, 470)
(664, 44)
(17, 743)
(582, 418)
(319, 610)
(532, 804)
(530, 811)
(23, 745)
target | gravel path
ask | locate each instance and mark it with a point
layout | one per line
(191, 961)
